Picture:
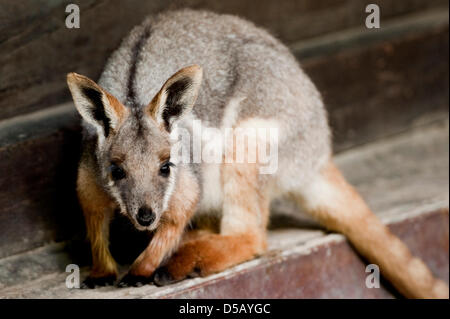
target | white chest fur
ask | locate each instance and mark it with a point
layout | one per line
(212, 196)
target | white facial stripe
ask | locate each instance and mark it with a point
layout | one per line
(170, 187)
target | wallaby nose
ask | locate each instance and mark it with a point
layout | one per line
(145, 216)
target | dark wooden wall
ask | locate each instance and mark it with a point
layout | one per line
(37, 50)
(374, 82)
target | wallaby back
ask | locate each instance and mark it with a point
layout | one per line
(240, 63)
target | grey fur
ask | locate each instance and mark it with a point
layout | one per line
(239, 60)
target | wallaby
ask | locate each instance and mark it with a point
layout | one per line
(247, 79)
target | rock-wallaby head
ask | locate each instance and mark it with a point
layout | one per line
(183, 69)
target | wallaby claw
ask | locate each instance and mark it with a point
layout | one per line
(93, 282)
(162, 277)
(130, 280)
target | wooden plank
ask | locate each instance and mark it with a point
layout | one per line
(332, 270)
(380, 89)
(38, 192)
(319, 267)
(37, 50)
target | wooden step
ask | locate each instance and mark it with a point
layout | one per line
(37, 49)
(375, 84)
(404, 179)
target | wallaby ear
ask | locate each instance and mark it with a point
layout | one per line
(95, 105)
(176, 97)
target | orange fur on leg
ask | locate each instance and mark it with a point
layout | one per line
(210, 254)
(242, 232)
(97, 208)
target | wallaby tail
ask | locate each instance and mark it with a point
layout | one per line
(340, 208)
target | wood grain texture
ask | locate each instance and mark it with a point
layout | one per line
(380, 89)
(331, 270)
(37, 50)
(298, 265)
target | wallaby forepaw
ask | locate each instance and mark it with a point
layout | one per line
(130, 280)
(162, 277)
(93, 282)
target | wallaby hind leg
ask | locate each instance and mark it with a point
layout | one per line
(336, 204)
(242, 231)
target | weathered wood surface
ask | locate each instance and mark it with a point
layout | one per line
(37, 50)
(298, 265)
(379, 89)
(329, 269)
(373, 90)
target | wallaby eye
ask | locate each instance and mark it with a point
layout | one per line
(117, 172)
(164, 170)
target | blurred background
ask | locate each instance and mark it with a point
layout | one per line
(375, 83)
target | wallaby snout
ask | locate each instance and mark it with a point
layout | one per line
(145, 216)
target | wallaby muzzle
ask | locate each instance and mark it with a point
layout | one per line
(145, 216)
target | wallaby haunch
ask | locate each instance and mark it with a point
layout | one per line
(153, 84)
